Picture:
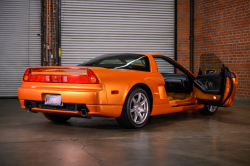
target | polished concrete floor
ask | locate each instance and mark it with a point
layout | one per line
(186, 138)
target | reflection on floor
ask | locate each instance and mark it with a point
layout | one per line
(184, 138)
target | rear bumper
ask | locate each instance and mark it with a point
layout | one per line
(94, 95)
(94, 110)
(94, 100)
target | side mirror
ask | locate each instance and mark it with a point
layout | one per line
(210, 71)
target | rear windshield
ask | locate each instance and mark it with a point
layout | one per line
(120, 61)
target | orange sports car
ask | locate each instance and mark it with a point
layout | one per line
(130, 87)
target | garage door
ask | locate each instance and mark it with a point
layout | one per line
(93, 28)
(20, 47)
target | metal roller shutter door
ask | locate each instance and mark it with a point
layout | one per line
(93, 28)
(20, 47)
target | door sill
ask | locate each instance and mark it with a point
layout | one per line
(181, 105)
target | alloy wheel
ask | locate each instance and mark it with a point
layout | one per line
(211, 108)
(139, 108)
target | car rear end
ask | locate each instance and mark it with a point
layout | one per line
(71, 91)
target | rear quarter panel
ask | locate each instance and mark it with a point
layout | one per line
(123, 80)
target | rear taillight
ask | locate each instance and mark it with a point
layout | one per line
(90, 78)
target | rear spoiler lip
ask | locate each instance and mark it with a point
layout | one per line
(58, 67)
(63, 67)
(46, 74)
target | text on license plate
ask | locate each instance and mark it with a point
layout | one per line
(54, 100)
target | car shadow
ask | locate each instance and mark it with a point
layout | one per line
(105, 123)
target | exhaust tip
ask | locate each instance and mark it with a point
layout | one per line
(83, 113)
(29, 109)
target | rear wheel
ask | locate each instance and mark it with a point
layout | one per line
(208, 110)
(57, 117)
(136, 109)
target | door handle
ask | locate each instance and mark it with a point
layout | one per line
(39, 34)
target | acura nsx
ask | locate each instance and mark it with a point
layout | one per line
(130, 87)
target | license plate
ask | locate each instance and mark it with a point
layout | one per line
(54, 100)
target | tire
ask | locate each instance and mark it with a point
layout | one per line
(57, 117)
(208, 110)
(136, 109)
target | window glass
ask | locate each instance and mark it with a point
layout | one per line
(166, 67)
(120, 61)
(112, 61)
(210, 63)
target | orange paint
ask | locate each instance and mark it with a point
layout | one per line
(98, 97)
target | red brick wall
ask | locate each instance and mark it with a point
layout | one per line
(183, 31)
(49, 31)
(221, 27)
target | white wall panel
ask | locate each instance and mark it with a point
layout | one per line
(20, 47)
(93, 28)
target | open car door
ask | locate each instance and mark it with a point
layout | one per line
(215, 84)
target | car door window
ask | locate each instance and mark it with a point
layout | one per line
(166, 67)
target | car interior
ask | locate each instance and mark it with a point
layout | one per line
(177, 86)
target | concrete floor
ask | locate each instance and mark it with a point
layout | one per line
(185, 138)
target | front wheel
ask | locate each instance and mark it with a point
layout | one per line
(57, 117)
(208, 110)
(136, 109)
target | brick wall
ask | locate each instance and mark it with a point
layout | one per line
(183, 31)
(49, 32)
(222, 27)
